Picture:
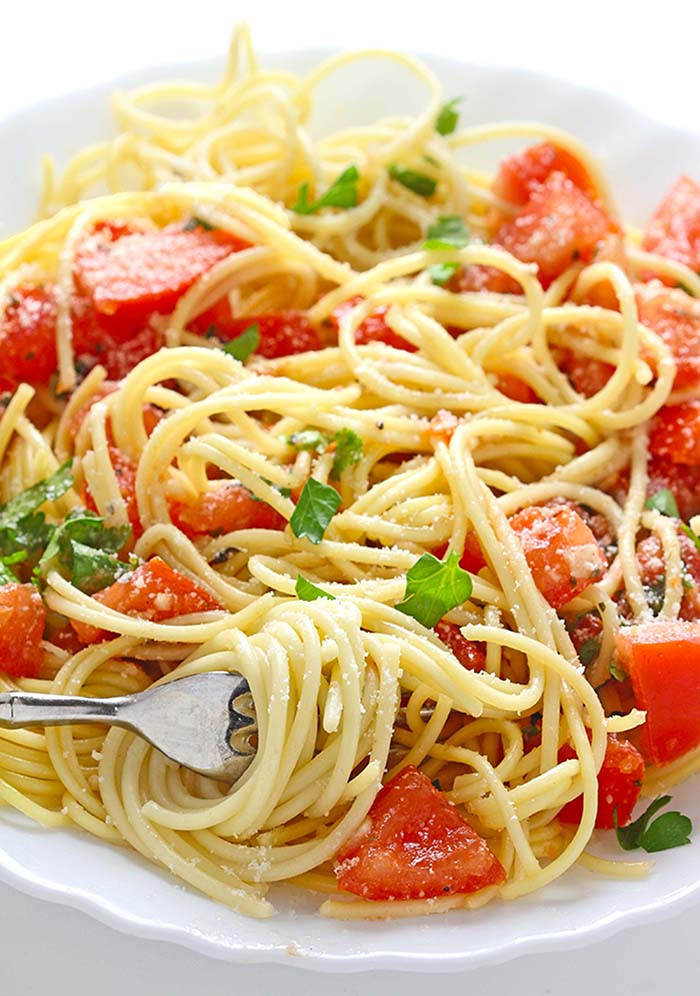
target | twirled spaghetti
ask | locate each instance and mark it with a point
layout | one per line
(466, 415)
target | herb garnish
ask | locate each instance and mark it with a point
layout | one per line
(433, 587)
(244, 344)
(317, 505)
(348, 447)
(589, 650)
(672, 829)
(448, 116)
(663, 501)
(308, 592)
(419, 183)
(342, 193)
(196, 222)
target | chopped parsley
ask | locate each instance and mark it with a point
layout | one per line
(442, 273)
(196, 222)
(348, 447)
(342, 193)
(672, 829)
(419, 183)
(448, 117)
(244, 344)
(448, 232)
(433, 587)
(616, 672)
(308, 592)
(664, 502)
(317, 505)
(589, 650)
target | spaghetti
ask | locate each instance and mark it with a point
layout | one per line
(440, 406)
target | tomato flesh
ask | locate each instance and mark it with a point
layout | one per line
(28, 337)
(520, 174)
(22, 619)
(224, 509)
(283, 333)
(674, 228)
(663, 662)
(415, 845)
(470, 655)
(374, 328)
(675, 433)
(561, 551)
(619, 785)
(557, 225)
(153, 591)
(588, 376)
(675, 317)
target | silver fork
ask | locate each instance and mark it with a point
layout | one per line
(205, 722)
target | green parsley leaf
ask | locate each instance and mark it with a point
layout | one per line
(664, 502)
(308, 592)
(448, 232)
(348, 451)
(317, 505)
(672, 829)
(244, 344)
(590, 649)
(442, 273)
(436, 784)
(342, 193)
(310, 440)
(419, 183)
(448, 116)
(433, 587)
(691, 535)
(616, 672)
(8, 576)
(196, 222)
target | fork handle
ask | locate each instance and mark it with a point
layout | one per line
(19, 709)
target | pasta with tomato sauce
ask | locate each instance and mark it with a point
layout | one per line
(413, 448)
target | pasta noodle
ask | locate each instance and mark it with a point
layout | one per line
(341, 684)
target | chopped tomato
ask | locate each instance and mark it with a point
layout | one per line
(520, 174)
(588, 627)
(675, 317)
(674, 228)
(373, 329)
(652, 570)
(558, 225)
(224, 509)
(153, 591)
(151, 414)
(442, 426)
(588, 376)
(472, 558)
(22, 618)
(675, 433)
(663, 661)
(120, 358)
(142, 272)
(476, 278)
(283, 333)
(561, 551)
(469, 654)
(619, 785)
(682, 480)
(516, 389)
(28, 337)
(415, 845)
(125, 471)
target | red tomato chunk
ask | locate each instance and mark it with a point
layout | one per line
(373, 329)
(675, 433)
(22, 618)
(415, 845)
(224, 509)
(675, 317)
(154, 591)
(520, 174)
(28, 338)
(469, 654)
(619, 785)
(674, 229)
(125, 471)
(663, 661)
(283, 333)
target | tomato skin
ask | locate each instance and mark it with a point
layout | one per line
(28, 337)
(619, 785)
(415, 845)
(517, 389)
(138, 273)
(588, 376)
(675, 317)
(283, 333)
(374, 328)
(663, 661)
(674, 228)
(556, 226)
(470, 655)
(476, 278)
(22, 619)
(520, 174)
(675, 433)
(561, 551)
(153, 591)
(224, 509)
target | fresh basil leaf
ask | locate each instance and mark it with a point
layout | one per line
(448, 116)
(590, 649)
(348, 451)
(664, 502)
(244, 344)
(442, 273)
(616, 672)
(308, 592)
(691, 535)
(433, 587)
(195, 222)
(8, 576)
(342, 193)
(317, 505)
(448, 232)
(88, 549)
(92, 570)
(310, 440)
(29, 500)
(672, 829)
(419, 183)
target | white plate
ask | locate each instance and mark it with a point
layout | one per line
(641, 157)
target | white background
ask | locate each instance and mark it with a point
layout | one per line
(646, 53)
